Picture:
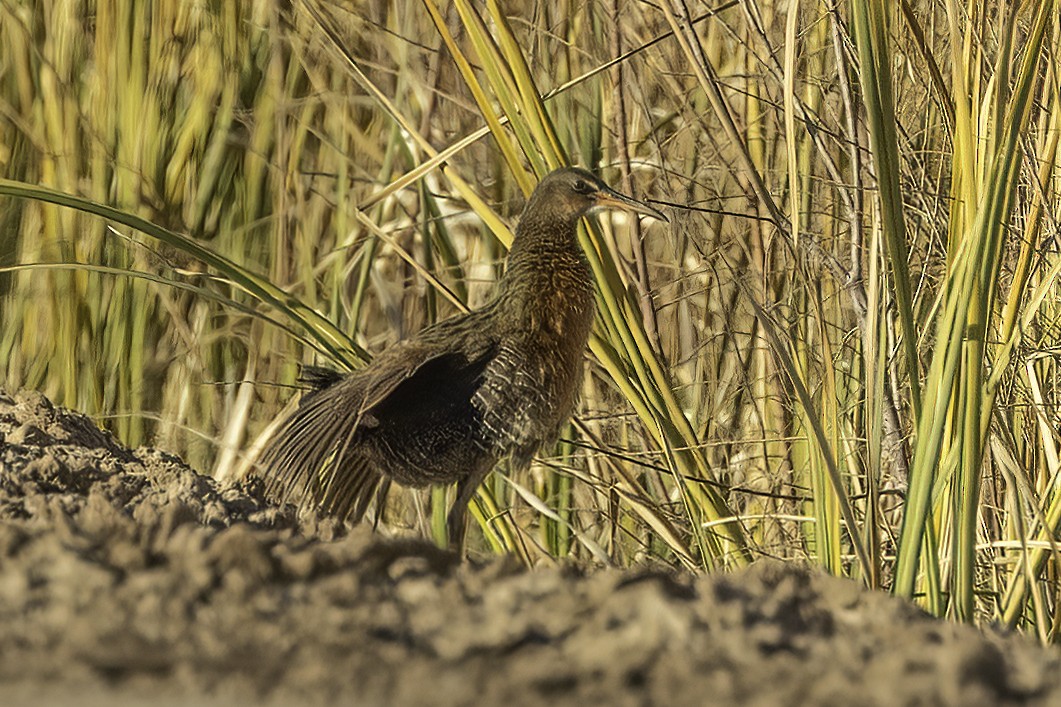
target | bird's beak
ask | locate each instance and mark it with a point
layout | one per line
(613, 199)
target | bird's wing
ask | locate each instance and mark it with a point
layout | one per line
(313, 459)
(440, 361)
(438, 389)
(316, 458)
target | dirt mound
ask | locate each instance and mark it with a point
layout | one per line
(127, 578)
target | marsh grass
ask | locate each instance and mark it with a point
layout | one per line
(842, 348)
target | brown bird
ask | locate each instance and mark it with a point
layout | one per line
(447, 404)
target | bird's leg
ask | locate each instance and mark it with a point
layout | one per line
(455, 528)
(456, 520)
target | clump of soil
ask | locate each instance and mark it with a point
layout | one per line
(127, 578)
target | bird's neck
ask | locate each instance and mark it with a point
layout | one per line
(546, 276)
(540, 230)
(542, 247)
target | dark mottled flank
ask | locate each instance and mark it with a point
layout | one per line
(128, 579)
(447, 404)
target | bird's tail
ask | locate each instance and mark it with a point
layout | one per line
(314, 460)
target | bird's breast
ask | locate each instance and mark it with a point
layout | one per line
(562, 311)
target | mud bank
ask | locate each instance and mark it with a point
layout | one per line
(127, 578)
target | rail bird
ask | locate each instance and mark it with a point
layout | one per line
(446, 405)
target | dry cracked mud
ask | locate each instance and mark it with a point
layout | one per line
(127, 578)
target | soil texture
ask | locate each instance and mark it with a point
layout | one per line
(127, 578)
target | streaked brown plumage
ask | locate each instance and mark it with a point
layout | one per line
(447, 404)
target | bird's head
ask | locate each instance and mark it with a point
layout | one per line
(571, 193)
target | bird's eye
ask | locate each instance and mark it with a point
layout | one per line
(582, 187)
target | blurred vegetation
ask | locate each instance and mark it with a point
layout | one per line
(844, 347)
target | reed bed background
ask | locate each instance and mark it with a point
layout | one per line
(842, 348)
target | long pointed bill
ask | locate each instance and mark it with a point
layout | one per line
(613, 199)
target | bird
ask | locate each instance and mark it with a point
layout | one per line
(449, 403)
